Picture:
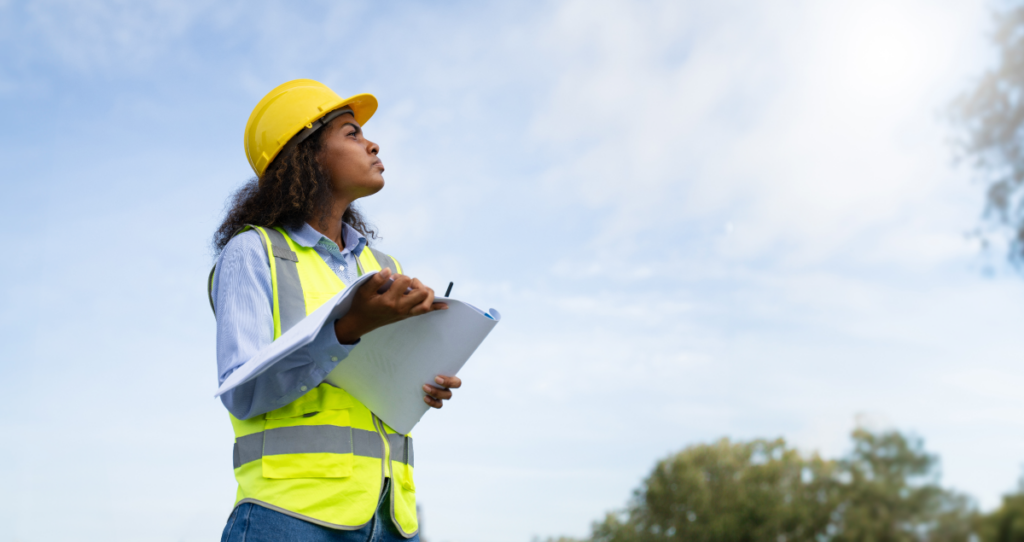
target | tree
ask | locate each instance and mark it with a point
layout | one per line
(991, 115)
(1006, 524)
(885, 490)
(751, 491)
(891, 494)
(754, 491)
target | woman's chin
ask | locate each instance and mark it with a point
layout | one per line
(374, 187)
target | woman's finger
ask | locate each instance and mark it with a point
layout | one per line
(411, 301)
(377, 281)
(432, 402)
(397, 289)
(426, 305)
(437, 393)
(448, 381)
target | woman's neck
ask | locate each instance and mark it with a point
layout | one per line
(332, 227)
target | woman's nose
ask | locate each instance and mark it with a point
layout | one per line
(373, 148)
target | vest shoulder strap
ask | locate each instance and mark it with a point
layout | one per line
(289, 298)
(383, 260)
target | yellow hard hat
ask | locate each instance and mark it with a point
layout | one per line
(296, 106)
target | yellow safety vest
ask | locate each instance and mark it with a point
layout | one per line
(323, 457)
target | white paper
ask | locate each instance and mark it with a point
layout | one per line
(387, 369)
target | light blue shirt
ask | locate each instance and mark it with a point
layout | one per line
(243, 298)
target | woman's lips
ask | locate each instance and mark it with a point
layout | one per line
(379, 163)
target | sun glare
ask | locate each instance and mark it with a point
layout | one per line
(892, 51)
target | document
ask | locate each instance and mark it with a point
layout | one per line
(387, 369)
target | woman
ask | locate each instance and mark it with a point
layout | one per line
(312, 462)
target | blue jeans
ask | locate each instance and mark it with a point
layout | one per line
(253, 523)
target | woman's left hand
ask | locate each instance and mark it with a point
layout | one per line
(436, 394)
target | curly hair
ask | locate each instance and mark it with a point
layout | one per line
(294, 189)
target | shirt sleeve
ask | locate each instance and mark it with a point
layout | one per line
(242, 296)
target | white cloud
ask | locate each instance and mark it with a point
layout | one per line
(106, 36)
(811, 125)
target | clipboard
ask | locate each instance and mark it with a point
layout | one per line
(387, 369)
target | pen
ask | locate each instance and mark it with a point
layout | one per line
(450, 284)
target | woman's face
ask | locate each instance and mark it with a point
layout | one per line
(351, 160)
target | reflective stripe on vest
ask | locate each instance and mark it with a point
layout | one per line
(289, 302)
(314, 439)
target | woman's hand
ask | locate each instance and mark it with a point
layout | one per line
(370, 310)
(435, 394)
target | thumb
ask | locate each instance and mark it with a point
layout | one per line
(378, 280)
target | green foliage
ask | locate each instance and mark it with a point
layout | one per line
(892, 494)
(991, 116)
(1007, 523)
(885, 490)
(756, 491)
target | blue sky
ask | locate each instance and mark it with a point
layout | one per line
(697, 218)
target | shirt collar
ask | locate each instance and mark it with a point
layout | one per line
(308, 237)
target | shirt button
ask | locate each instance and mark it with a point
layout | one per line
(341, 267)
(334, 358)
(303, 388)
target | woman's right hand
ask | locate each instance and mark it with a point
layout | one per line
(370, 310)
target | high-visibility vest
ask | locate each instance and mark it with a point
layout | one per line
(323, 457)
